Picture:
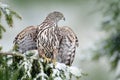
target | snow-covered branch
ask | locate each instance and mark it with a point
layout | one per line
(10, 53)
(33, 67)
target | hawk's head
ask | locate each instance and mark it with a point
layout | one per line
(55, 16)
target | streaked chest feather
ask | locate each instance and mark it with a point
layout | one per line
(48, 39)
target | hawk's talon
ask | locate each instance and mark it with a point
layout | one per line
(47, 59)
(54, 61)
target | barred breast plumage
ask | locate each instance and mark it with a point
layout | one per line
(47, 34)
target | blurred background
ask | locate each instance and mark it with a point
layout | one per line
(95, 22)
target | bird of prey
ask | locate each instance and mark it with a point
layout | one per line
(47, 39)
(67, 39)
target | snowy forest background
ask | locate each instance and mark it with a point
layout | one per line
(96, 23)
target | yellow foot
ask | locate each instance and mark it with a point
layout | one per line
(47, 59)
(54, 61)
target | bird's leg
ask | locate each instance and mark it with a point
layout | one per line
(47, 59)
(55, 52)
(42, 55)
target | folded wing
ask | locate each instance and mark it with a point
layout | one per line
(68, 44)
(26, 39)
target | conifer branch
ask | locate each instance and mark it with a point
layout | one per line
(11, 53)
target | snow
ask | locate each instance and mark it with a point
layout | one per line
(75, 71)
(59, 71)
(7, 11)
(58, 78)
(4, 8)
(60, 66)
(42, 75)
(62, 71)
